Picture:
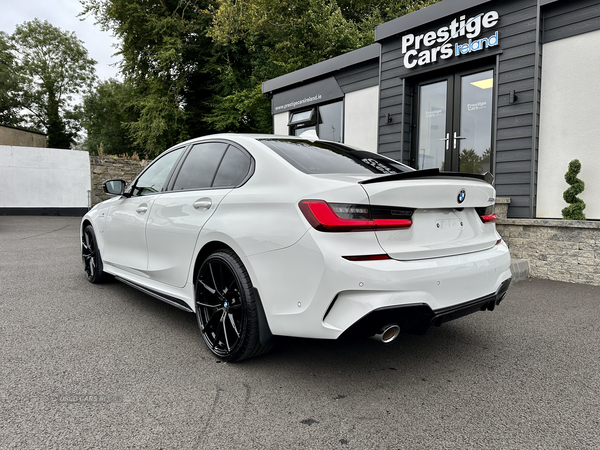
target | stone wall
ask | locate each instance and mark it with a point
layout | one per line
(562, 250)
(107, 168)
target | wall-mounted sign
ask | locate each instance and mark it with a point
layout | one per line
(318, 92)
(432, 46)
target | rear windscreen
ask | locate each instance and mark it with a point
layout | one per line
(326, 157)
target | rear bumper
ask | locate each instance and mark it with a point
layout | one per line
(309, 290)
(417, 318)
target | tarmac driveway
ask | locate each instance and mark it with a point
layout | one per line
(85, 366)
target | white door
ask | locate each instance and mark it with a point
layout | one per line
(126, 220)
(210, 171)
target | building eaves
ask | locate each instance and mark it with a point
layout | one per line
(321, 69)
(424, 16)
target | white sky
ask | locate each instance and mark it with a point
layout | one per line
(63, 14)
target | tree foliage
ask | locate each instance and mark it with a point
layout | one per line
(164, 45)
(256, 40)
(51, 67)
(262, 39)
(9, 104)
(106, 111)
(197, 66)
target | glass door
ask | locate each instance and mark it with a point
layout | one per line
(433, 142)
(474, 143)
(454, 122)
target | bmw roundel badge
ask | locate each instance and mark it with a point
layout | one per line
(461, 196)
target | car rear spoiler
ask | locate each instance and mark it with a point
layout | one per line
(427, 173)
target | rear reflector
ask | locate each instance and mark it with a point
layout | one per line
(325, 216)
(367, 257)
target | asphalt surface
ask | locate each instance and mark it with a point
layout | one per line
(105, 366)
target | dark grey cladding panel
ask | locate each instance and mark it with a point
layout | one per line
(516, 27)
(565, 19)
(322, 69)
(359, 76)
(516, 56)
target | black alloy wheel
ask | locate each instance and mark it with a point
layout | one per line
(226, 308)
(90, 255)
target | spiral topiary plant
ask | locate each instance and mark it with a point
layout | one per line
(575, 210)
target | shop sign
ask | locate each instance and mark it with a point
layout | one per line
(303, 96)
(432, 46)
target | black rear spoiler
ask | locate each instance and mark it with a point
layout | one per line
(427, 173)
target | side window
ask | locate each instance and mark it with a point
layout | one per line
(233, 168)
(154, 178)
(199, 168)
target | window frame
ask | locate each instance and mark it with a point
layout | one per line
(356, 155)
(175, 173)
(130, 189)
(315, 119)
(453, 104)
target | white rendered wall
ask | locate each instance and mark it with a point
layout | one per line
(569, 126)
(43, 177)
(280, 123)
(361, 116)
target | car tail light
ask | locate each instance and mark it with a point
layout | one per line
(489, 218)
(325, 216)
(487, 214)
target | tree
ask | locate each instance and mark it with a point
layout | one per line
(164, 49)
(51, 66)
(262, 39)
(9, 105)
(196, 66)
(106, 111)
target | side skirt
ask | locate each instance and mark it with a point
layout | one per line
(165, 298)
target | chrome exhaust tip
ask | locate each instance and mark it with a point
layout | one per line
(387, 334)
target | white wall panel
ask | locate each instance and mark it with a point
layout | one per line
(43, 177)
(569, 126)
(280, 123)
(361, 112)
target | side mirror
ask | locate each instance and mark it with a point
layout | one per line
(114, 187)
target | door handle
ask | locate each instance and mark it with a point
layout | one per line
(202, 204)
(447, 139)
(142, 208)
(457, 138)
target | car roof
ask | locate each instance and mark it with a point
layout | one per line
(241, 136)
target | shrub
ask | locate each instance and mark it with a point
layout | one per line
(575, 210)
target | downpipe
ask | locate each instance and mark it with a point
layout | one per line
(387, 334)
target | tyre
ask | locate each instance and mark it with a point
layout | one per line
(226, 309)
(90, 256)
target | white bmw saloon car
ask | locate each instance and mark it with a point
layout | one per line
(263, 236)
